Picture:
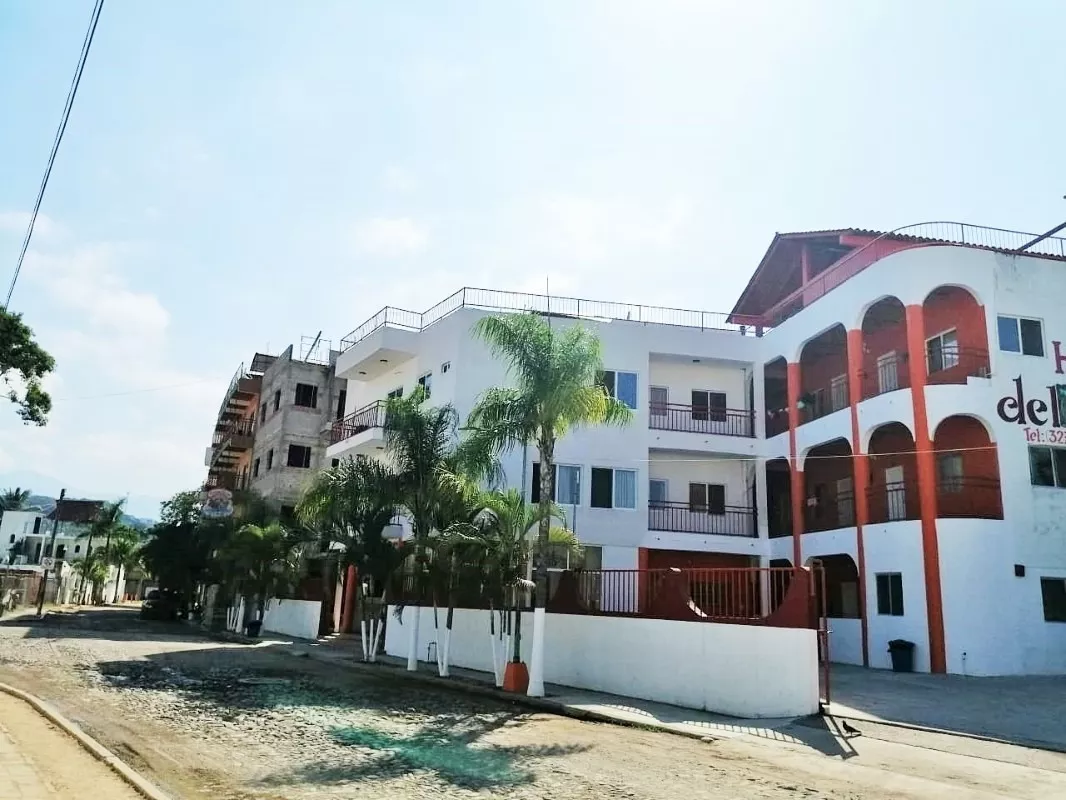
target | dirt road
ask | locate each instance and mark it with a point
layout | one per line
(209, 720)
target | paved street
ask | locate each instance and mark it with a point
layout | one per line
(209, 720)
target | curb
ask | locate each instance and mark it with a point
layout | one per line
(140, 784)
(459, 684)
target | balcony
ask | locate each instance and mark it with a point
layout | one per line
(891, 373)
(830, 513)
(968, 498)
(688, 518)
(365, 426)
(822, 401)
(956, 365)
(894, 502)
(701, 419)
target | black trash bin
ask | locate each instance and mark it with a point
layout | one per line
(253, 627)
(902, 653)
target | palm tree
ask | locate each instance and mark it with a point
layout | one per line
(432, 466)
(90, 570)
(557, 374)
(268, 558)
(14, 499)
(124, 553)
(352, 504)
(506, 524)
(106, 521)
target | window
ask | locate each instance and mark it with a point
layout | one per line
(277, 399)
(61, 551)
(287, 514)
(262, 414)
(270, 459)
(658, 401)
(426, 382)
(77, 549)
(567, 485)
(37, 525)
(299, 456)
(1047, 466)
(708, 406)
(12, 539)
(658, 492)
(1019, 335)
(335, 463)
(306, 395)
(342, 400)
(890, 594)
(706, 498)
(620, 385)
(942, 351)
(447, 365)
(255, 468)
(398, 392)
(838, 392)
(1053, 593)
(614, 488)
(949, 472)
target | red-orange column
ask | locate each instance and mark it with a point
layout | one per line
(934, 607)
(860, 478)
(348, 608)
(795, 475)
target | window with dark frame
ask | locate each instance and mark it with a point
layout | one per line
(949, 472)
(342, 400)
(37, 525)
(942, 351)
(706, 498)
(397, 392)
(262, 413)
(620, 385)
(77, 549)
(426, 382)
(602, 487)
(277, 400)
(335, 463)
(1053, 595)
(567, 484)
(306, 395)
(270, 459)
(1047, 466)
(255, 468)
(299, 456)
(658, 401)
(890, 594)
(708, 406)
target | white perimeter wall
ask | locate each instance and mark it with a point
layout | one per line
(729, 669)
(293, 617)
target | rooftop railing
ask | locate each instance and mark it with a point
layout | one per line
(493, 300)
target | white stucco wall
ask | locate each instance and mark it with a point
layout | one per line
(293, 617)
(729, 669)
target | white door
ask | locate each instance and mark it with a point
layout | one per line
(897, 493)
(887, 373)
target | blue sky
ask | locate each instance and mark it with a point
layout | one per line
(238, 174)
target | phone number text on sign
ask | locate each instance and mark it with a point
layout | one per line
(1041, 436)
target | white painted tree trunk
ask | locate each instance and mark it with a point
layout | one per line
(365, 639)
(501, 647)
(412, 639)
(377, 625)
(446, 653)
(536, 659)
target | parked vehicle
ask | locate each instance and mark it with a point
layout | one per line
(162, 604)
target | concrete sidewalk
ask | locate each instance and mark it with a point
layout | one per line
(19, 780)
(565, 700)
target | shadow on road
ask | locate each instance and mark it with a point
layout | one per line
(116, 624)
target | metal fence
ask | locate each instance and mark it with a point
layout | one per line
(701, 419)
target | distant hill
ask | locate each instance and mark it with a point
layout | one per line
(142, 507)
(47, 505)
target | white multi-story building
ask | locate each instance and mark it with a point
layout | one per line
(884, 403)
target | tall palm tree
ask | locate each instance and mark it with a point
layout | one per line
(352, 504)
(432, 465)
(268, 556)
(106, 521)
(556, 373)
(124, 553)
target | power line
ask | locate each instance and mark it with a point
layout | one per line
(71, 94)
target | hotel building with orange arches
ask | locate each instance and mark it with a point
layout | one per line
(887, 404)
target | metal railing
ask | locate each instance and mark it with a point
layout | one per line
(690, 518)
(921, 234)
(781, 596)
(776, 422)
(578, 308)
(822, 401)
(956, 364)
(830, 512)
(889, 375)
(969, 497)
(701, 419)
(367, 417)
(893, 502)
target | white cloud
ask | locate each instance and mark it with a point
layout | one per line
(16, 222)
(390, 237)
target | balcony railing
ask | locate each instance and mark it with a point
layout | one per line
(367, 417)
(829, 513)
(689, 518)
(890, 374)
(776, 422)
(970, 497)
(701, 419)
(824, 400)
(492, 300)
(956, 364)
(893, 502)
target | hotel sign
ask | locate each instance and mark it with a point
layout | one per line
(1043, 420)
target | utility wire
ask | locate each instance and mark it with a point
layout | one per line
(71, 94)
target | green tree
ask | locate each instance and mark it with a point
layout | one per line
(124, 553)
(91, 569)
(14, 499)
(268, 559)
(23, 363)
(351, 505)
(557, 374)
